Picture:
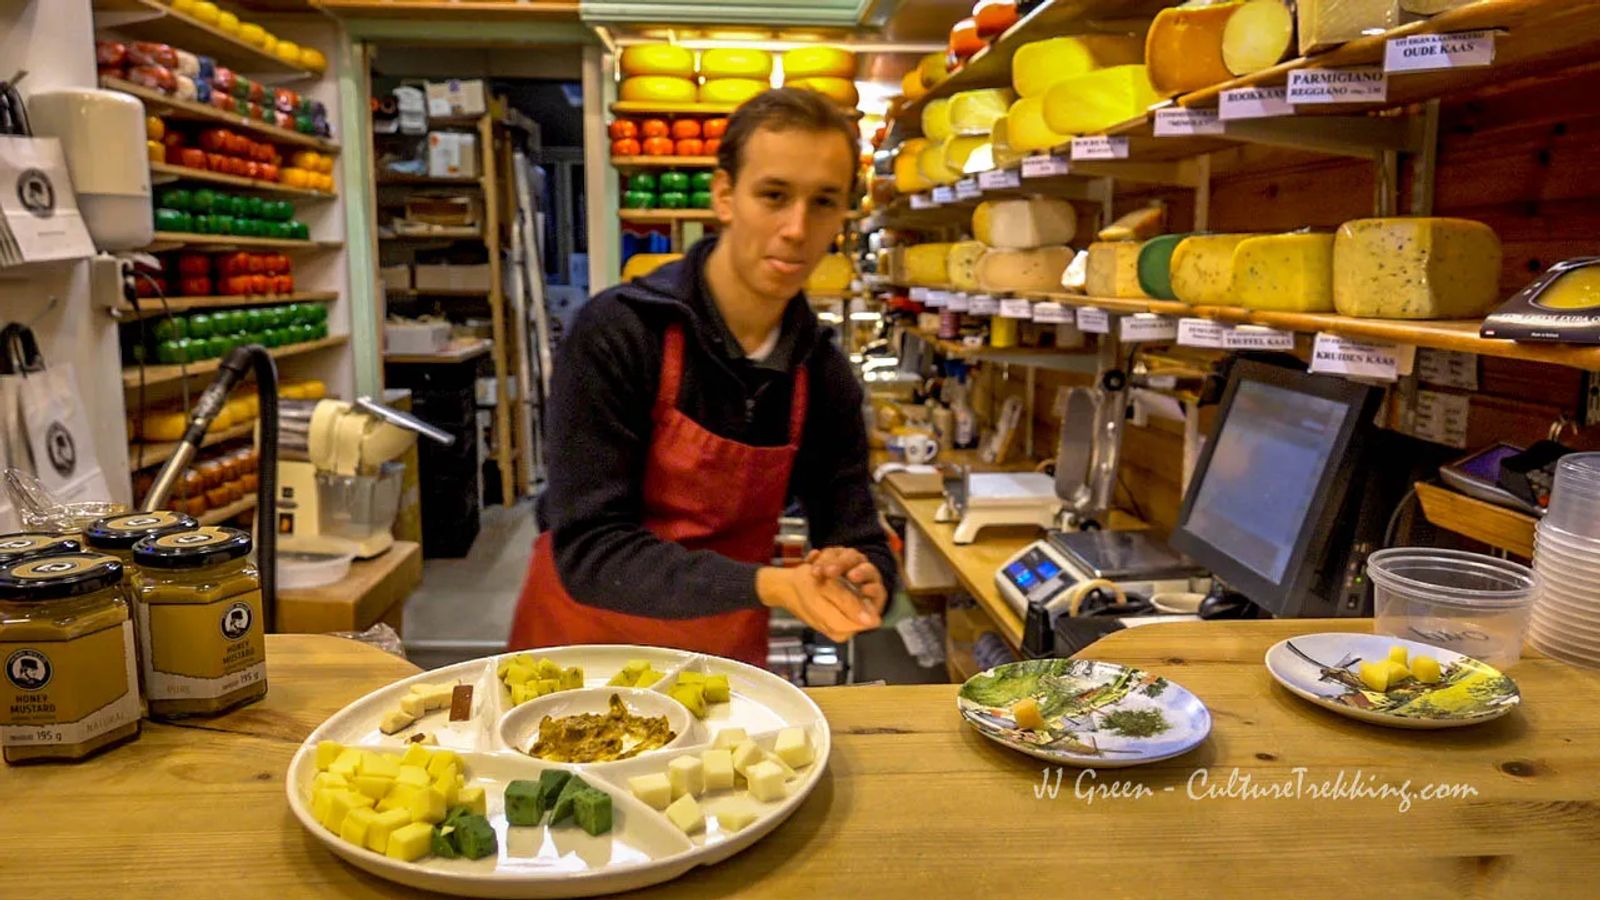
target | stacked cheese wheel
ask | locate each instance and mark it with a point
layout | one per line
(829, 71)
(668, 74)
(290, 53)
(681, 136)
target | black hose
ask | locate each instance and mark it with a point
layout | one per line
(267, 487)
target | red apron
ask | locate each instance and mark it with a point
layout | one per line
(700, 490)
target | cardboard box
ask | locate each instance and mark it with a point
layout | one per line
(453, 278)
(457, 97)
(395, 278)
(416, 337)
(452, 154)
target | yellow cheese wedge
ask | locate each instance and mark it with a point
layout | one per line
(974, 112)
(1096, 101)
(731, 90)
(1140, 225)
(657, 89)
(1285, 273)
(1416, 268)
(637, 266)
(1037, 67)
(819, 62)
(736, 62)
(832, 275)
(962, 264)
(1010, 271)
(1258, 36)
(927, 265)
(1113, 270)
(1329, 23)
(1184, 47)
(908, 178)
(1202, 268)
(1025, 222)
(936, 120)
(840, 90)
(960, 152)
(1026, 127)
(658, 59)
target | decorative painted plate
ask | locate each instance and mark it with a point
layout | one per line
(1325, 669)
(1094, 714)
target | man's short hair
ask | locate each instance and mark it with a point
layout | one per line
(784, 109)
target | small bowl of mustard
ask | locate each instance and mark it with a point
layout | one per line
(596, 725)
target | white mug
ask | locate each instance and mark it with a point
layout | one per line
(920, 449)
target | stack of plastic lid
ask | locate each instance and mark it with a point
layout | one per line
(1566, 617)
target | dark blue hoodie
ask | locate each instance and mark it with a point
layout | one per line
(603, 387)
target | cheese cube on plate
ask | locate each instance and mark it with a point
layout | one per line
(340, 806)
(717, 768)
(356, 825)
(382, 825)
(381, 765)
(747, 754)
(450, 789)
(409, 843)
(685, 813)
(717, 690)
(373, 786)
(729, 738)
(687, 776)
(654, 789)
(414, 705)
(440, 759)
(345, 766)
(438, 697)
(473, 799)
(413, 775)
(734, 815)
(794, 747)
(328, 779)
(427, 805)
(766, 781)
(327, 752)
(415, 755)
(321, 803)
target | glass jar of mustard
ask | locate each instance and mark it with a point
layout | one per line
(15, 548)
(69, 687)
(116, 535)
(198, 603)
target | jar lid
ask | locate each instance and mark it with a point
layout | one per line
(29, 544)
(59, 577)
(195, 549)
(122, 532)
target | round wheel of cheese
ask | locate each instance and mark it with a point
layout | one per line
(657, 89)
(819, 62)
(731, 90)
(907, 172)
(730, 62)
(1026, 129)
(911, 85)
(936, 120)
(840, 90)
(658, 59)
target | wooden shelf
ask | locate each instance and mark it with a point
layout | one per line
(160, 104)
(373, 589)
(457, 354)
(460, 10)
(664, 162)
(648, 108)
(145, 455)
(151, 307)
(165, 172)
(437, 234)
(151, 20)
(661, 216)
(172, 240)
(398, 178)
(443, 292)
(1487, 523)
(226, 513)
(154, 375)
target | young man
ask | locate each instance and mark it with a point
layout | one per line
(688, 406)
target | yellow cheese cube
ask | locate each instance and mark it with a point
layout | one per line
(413, 775)
(788, 771)
(414, 705)
(381, 765)
(654, 789)
(1094, 102)
(766, 781)
(1426, 669)
(399, 797)
(794, 747)
(716, 768)
(1284, 273)
(450, 788)
(348, 761)
(442, 760)
(382, 826)
(1183, 47)
(373, 786)
(415, 755)
(1398, 654)
(729, 738)
(1017, 271)
(327, 780)
(409, 843)
(571, 678)
(395, 720)
(1397, 672)
(356, 825)
(686, 774)
(735, 815)
(321, 804)
(1416, 268)
(1375, 675)
(717, 689)
(519, 674)
(503, 667)
(1329, 23)
(548, 685)
(746, 755)
(1113, 270)
(327, 752)
(686, 814)
(474, 799)
(427, 805)
(1024, 223)
(340, 805)
(548, 669)
(1202, 268)
(520, 694)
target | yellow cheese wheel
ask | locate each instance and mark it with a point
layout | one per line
(968, 154)
(1037, 67)
(911, 85)
(1183, 48)
(1023, 270)
(1098, 100)
(289, 52)
(1025, 222)
(657, 89)
(1000, 143)
(840, 90)
(1284, 272)
(1416, 268)
(731, 90)
(1202, 268)
(962, 264)
(1259, 35)
(313, 59)
(228, 23)
(1113, 270)
(253, 34)
(927, 265)
(974, 112)
(907, 173)
(1026, 128)
(933, 69)
(658, 59)
(832, 275)
(930, 162)
(641, 264)
(163, 426)
(736, 62)
(818, 62)
(936, 120)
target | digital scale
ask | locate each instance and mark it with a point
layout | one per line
(984, 499)
(1048, 571)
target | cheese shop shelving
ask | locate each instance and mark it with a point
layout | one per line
(161, 173)
(153, 20)
(397, 178)
(143, 455)
(150, 307)
(157, 375)
(1486, 523)
(666, 216)
(663, 162)
(164, 105)
(650, 108)
(474, 11)
(173, 240)
(227, 513)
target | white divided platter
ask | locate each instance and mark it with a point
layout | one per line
(644, 847)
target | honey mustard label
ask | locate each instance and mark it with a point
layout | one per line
(67, 692)
(202, 650)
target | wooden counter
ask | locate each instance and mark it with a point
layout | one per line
(914, 803)
(375, 590)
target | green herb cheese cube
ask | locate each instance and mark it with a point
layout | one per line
(561, 810)
(524, 802)
(592, 809)
(474, 837)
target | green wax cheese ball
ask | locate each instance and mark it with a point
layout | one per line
(592, 809)
(562, 810)
(700, 181)
(639, 181)
(524, 804)
(474, 837)
(551, 781)
(443, 844)
(700, 200)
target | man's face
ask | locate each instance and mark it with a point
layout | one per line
(788, 205)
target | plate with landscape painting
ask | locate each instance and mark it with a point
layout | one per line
(1086, 713)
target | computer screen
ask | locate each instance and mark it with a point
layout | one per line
(1271, 479)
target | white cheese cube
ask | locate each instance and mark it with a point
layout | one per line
(717, 769)
(414, 705)
(687, 776)
(438, 698)
(685, 813)
(766, 781)
(777, 760)
(729, 738)
(794, 747)
(747, 754)
(735, 815)
(654, 789)
(396, 720)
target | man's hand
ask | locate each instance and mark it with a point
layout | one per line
(820, 601)
(850, 564)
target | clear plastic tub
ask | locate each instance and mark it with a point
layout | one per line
(1575, 495)
(1467, 602)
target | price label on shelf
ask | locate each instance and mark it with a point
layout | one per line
(1432, 52)
(982, 305)
(1257, 337)
(1043, 166)
(944, 194)
(1093, 320)
(1338, 355)
(955, 301)
(1014, 308)
(920, 295)
(968, 189)
(1182, 122)
(937, 299)
(1255, 103)
(922, 201)
(1365, 84)
(1202, 333)
(1052, 313)
(1147, 327)
(1447, 368)
(1442, 418)
(1101, 147)
(999, 180)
